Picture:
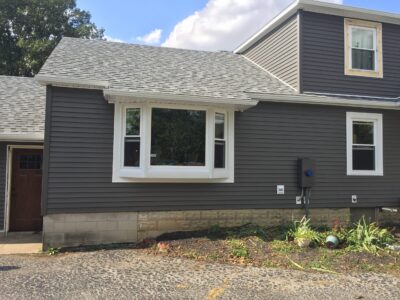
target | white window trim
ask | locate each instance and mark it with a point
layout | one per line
(366, 25)
(377, 119)
(147, 173)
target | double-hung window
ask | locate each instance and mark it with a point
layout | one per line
(172, 143)
(363, 48)
(219, 142)
(364, 144)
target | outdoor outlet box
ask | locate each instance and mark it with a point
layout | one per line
(298, 200)
(280, 189)
(306, 172)
(354, 199)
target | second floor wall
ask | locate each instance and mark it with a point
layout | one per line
(323, 59)
(308, 52)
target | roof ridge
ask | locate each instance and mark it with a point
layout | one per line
(126, 44)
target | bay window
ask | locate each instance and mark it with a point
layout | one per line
(172, 143)
(364, 144)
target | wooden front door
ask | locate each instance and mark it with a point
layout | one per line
(26, 190)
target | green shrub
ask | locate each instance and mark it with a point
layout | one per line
(368, 237)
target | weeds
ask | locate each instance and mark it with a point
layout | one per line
(302, 232)
(239, 249)
(53, 251)
(368, 237)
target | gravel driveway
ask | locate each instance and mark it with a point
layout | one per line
(123, 274)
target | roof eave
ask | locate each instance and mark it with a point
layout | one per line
(22, 137)
(61, 81)
(114, 95)
(326, 100)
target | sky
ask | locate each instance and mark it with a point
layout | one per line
(195, 24)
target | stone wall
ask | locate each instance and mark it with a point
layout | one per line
(61, 230)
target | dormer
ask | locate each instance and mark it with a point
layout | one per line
(323, 48)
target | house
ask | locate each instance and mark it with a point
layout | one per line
(141, 140)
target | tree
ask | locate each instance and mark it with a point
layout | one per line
(30, 30)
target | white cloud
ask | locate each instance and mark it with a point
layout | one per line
(224, 24)
(111, 39)
(152, 38)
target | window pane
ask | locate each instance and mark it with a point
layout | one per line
(178, 137)
(363, 38)
(363, 133)
(133, 121)
(219, 154)
(364, 158)
(363, 59)
(132, 152)
(219, 126)
(30, 161)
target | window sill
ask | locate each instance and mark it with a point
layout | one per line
(364, 173)
(362, 73)
(173, 174)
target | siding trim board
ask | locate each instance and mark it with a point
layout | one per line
(46, 148)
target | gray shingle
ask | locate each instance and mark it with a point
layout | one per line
(22, 105)
(146, 69)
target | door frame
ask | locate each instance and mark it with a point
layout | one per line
(9, 159)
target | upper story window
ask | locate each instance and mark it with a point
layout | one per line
(172, 143)
(363, 48)
(364, 144)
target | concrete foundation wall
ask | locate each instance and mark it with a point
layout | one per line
(61, 230)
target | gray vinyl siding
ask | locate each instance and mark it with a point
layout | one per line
(278, 52)
(323, 59)
(268, 140)
(3, 159)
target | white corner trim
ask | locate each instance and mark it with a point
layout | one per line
(22, 137)
(113, 96)
(323, 8)
(377, 119)
(71, 82)
(326, 100)
(269, 73)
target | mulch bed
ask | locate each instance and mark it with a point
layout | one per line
(268, 249)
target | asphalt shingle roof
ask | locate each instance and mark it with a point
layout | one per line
(146, 69)
(22, 105)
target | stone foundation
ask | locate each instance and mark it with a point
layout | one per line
(64, 230)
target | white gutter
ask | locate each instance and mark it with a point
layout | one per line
(323, 8)
(324, 100)
(113, 95)
(71, 82)
(22, 137)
